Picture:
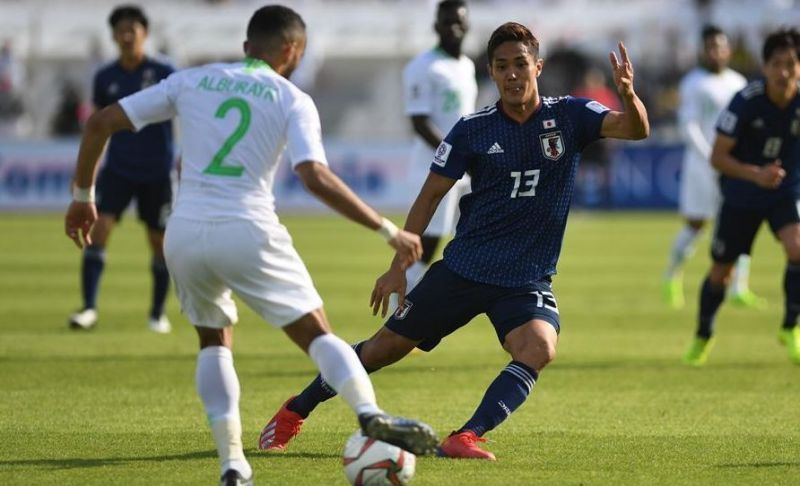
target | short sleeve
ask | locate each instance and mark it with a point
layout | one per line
(731, 120)
(152, 105)
(304, 133)
(451, 158)
(588, 116)
(417, 90)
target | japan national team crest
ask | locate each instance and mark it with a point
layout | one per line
(401, 312)
(552, 145)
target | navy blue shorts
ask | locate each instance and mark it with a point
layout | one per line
(736, 227)
(153, 198)
(443, 301)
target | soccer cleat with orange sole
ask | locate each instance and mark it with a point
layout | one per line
(280, 429)
(464, 445)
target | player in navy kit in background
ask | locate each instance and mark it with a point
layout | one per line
(138, 165)
(522, 154)
(757, 151)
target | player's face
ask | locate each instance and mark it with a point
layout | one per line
(514, 69)
(782, 71)
(452, 25)
(716, 52)
(130, 36)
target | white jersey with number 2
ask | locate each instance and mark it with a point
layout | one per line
(223, 235)
(235, 120)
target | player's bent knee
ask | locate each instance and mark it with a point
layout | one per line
(537, 355)
(533, 344)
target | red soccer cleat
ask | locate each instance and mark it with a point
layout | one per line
(281, 428)
(464, 445)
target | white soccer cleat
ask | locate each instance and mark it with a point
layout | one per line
(160, 325)
(85, 319)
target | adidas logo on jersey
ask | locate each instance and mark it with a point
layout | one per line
(495, 149)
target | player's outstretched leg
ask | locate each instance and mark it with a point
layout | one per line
(506, 393)
(285, 424)
(711, 297)
(341, 369)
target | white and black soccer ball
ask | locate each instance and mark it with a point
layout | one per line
(370, 462)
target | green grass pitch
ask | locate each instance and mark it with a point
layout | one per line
(117, 405)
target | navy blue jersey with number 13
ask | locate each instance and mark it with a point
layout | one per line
(512, 224)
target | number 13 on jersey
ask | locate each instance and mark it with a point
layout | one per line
(528, 180)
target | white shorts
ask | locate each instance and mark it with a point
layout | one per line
(255, 260)
(699, 194)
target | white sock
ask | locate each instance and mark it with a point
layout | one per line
(682, 248)
(741, 275)
(218, 387)
(342, 370)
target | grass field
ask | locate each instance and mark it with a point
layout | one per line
(117, 405)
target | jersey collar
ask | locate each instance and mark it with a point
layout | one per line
(253, 64)
(502, 112)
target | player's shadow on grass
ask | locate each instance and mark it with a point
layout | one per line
(760, 464)
(83, 463)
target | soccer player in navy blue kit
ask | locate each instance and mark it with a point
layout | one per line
(757, 151)
(522, 154)
(137, 166)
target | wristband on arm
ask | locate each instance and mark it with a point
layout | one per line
(83, 195)
(388, 230)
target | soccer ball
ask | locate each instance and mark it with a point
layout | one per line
(370, 462)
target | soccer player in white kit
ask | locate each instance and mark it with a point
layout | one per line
(704, 92)
(224, 236)
(439, 88)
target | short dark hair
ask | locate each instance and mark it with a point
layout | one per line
(512, 32)
(128, 12)
(450, 4)
(781, 39)
(275, 22)
(709, 31)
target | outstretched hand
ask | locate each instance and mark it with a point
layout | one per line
(623, 71)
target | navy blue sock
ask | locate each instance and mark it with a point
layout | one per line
(158, 267)
(791, 289)
(506, 393)
(94, 259)
(317, 391)
(711, 298)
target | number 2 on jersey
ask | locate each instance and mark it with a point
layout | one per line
(217, 165)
